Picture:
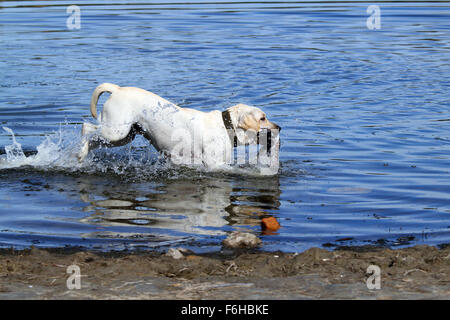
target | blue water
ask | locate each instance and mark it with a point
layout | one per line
(365, 153)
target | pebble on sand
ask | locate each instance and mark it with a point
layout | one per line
(177, 253)
(241, 240)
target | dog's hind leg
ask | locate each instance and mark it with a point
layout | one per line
(109, 136)
(86, 130)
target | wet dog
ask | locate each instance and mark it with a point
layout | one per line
(182, 134)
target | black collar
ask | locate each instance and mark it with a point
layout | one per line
(229, 126)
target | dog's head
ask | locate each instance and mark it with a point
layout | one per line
(247, 119)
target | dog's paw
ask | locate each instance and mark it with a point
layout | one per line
(80, 157)
(83, 152)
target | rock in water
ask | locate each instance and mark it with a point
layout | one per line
(241, 240)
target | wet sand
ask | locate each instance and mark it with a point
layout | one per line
(420, 272)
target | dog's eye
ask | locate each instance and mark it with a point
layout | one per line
(263, 119)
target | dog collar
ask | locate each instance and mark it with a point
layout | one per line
(229, 126)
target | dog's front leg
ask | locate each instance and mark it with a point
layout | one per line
(216, 153)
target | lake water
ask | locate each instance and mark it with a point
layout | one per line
(365, 145)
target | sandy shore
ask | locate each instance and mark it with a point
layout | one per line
(420, 272)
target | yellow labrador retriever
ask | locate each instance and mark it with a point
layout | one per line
(186, 136)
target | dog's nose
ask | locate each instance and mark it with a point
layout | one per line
(277, 127)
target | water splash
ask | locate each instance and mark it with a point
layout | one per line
(14, 152)
(57, 150)
(137, 161)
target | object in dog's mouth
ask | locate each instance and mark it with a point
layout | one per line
(269, 137)
(269, 152)
(269, 142)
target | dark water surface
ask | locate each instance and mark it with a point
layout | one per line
(365, 154)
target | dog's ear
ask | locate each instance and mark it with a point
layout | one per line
(245, 117)
(248, 121)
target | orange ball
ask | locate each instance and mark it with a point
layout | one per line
(270, 223)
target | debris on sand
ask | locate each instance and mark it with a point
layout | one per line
(177, 253)
(241, 240)
(419, 272)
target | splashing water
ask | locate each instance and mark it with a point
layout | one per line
(137, 161)
(14, 152)
(56, 151)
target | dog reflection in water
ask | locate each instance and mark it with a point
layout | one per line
(201, 207)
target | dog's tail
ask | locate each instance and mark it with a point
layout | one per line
(104, 87)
